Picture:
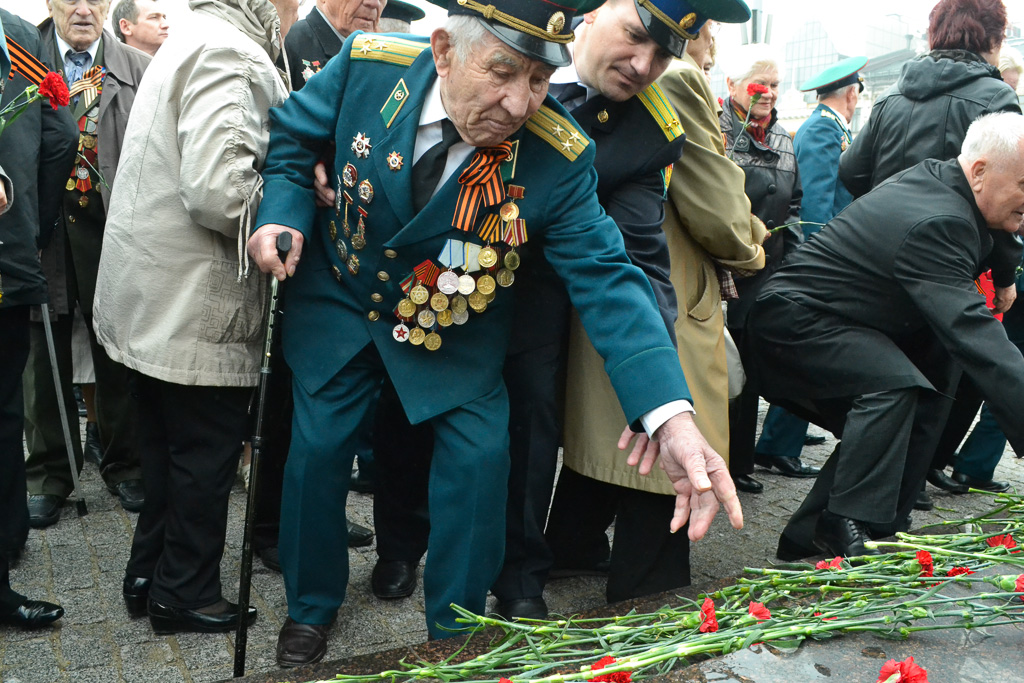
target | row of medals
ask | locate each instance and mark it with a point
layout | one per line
(449, 301)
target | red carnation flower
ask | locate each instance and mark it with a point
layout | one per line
(907, 671)
(720, 101)
(759, 611)
(1005, 540)
(709, 624)
(924, 558)
(617, 677)
(504, 680)
(958, 571)
(756, 89)
(834, 563)
(1018, 587)
(54, 88)
(818, 614)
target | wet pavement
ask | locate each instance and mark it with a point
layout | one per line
(79, 562)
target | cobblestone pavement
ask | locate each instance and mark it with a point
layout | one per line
(80, 563)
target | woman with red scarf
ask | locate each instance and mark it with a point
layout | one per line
(764, 150)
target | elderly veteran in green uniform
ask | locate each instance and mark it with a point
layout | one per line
(818, 144)
(447, 161)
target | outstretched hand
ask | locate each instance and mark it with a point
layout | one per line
(699, 475)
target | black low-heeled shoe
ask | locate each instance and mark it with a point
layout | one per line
(747, 484)
(32, 614)
(166, 620)
(135, 591)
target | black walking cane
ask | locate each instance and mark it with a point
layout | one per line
(284, 245)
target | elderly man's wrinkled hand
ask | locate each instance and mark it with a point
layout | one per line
(325, 195)
(1004, 298)
(262, 248)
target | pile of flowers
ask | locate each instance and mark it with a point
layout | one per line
(921, 583)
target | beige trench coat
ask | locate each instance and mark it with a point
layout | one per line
(707, 220)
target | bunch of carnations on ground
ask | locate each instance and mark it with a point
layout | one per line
(922, 583)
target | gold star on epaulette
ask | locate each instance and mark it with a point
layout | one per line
(567, 144)
(557, 130)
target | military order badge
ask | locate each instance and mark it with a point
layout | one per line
(361, 145)
(395, 161)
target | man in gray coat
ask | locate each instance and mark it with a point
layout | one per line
(103, 75)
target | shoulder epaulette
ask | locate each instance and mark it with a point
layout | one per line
(661, 109)
(558, 131)
(378, 48)
(829, 115)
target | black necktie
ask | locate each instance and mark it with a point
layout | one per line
(570, 92)
(427, 171)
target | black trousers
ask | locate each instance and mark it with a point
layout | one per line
(742, 422)
(645, 557)
(189, 439)
(966, 405)
(13, 507)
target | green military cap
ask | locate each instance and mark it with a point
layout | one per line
(673, 22)
(540, 29)
(837, 76)
(402, 11)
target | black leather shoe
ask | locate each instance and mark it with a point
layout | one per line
(270, 559)
(130, 493)
(32, 614)
(791, 551)
(992, 485)
(135, 590)
(358, 535)
(747, 484)
(393, 579)
(361, 482)
(301, 644)
(165, 620)
(523, 608)
(789, 467)
(811, 440)
(92, 449)
(44, 510)
(923, 501)
(842, 536)
(941, 480)
(597, 569)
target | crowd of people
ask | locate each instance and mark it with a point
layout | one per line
(510, 239)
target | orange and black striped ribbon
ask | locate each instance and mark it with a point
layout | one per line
(481, 184)
(427, 272)
(25, 63)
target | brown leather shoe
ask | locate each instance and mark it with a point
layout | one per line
(301, 644)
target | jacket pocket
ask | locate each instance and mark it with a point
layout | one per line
(709, 294)
(233, 311)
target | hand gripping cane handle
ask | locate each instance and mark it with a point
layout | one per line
(284, 245)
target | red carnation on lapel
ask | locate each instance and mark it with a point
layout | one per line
(54, 88)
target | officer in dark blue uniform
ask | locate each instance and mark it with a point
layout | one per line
(818, 144)
(448, 161)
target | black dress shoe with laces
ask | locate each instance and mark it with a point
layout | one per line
(747, 484)
(32, 614)
(135, 591)
(44, 510)
(358, 535)
(788, 467)
(991, 485)
(941, 480)
(165, 620)
(130, 494)
(393, 579)
(841, 536)
(522, 608)
(301, 644)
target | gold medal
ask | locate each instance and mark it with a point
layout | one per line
(459, 304)
(358, 241)
(419, 295)
(488, 258)
(478, 302)
(406, 308)
(332, 230)
(416, 336)
(467, 285)
(512, 260)
(439, 301)
(509, 212)
(506, 277)
(425, 318)
(444, 318)
(432, 341)
(71, 185)
(485, 285)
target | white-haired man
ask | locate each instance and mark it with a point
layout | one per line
(861, 330)
(426, 228)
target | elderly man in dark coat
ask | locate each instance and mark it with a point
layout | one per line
(860, 330)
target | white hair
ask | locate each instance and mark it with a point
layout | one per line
(994, 137)
(740, 63)
(838, 92)
(465, 33)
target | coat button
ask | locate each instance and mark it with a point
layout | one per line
(376, 298)
(391, 253)
(770, 224)
(383, 276)
(71, 219)
(772, 189)
(373, 316)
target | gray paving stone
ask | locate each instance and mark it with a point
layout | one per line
(81, 606)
